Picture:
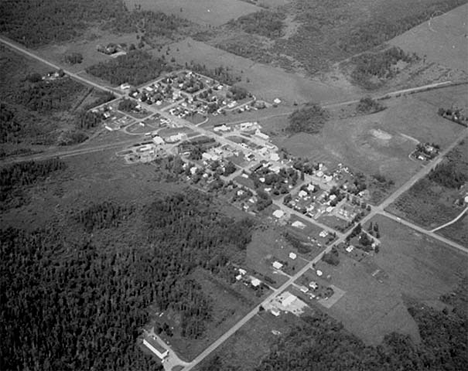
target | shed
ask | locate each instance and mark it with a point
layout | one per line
(277, 265)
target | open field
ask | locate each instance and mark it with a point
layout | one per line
(252, 342)
(431, 202)
(203, 12)
(442, 39)
(409, 266)
(374, 144)
(261, 80)
(269, 246)
(229, 306)
(87, 46)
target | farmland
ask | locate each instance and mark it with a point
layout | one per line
(408, 266)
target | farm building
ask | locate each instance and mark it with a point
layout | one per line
(156, 348)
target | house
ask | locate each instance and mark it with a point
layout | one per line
(255, 282)
(261, 135)
(323, 234)
(303, 289)
(298, 224)
(275, 312)
(274, 157)
(278, 214)
(153, 345)
(287, 299)
(277, 265)
(302, 194)
(242, 271)
(292, 256)
(313, 285)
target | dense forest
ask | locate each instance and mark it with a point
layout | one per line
(15, 178)
(39, 22)
(372, 69)
(74, 304)
(134, 68)
(309, 119)
(379, 30)
(453, 171)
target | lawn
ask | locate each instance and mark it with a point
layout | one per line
(409, 266)
(266, 247)
(203, 12)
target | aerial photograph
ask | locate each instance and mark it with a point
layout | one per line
(233, 185)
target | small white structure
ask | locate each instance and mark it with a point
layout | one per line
(302, 194)
(319, 273)
(158, 140)
(255, 282)
(313, 285)
(276, 101)
(323, 234)
(298, 224)
(275, 312)
(350, 248)
(274, 157)
(292, 256)
(303, 289)
(278, 214)
(277, 265)
(242, 271)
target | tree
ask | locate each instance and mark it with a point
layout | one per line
(309, 119)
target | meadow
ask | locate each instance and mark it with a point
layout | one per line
(409, 267)
(204, 12)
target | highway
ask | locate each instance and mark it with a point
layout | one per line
(340, 237)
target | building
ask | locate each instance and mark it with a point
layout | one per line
(278, 214)
(277, 265)
(155, 347)
(158, 140)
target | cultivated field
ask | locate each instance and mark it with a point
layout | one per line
(409, 266)
(203, 12)
(442, 39)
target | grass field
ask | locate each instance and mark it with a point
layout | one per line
(261, 80)
(266, 247)
(457, 231)
(442, 39)
(375, 144)
(252, 342)
(409, 266)
(431, 204)
(229, 306)
(203, 12)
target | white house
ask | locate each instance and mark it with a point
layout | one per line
(157, 349)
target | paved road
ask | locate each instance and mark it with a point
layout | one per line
(69, 152)
(75, 76)
(425, 231)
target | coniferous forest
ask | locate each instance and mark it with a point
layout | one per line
(68, 305)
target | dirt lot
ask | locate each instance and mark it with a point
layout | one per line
(203, 12)
(443, 39)
(408, 266)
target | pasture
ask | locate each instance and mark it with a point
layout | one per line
(204, 12)
(409, 266)
(457, 231)
(442, 39)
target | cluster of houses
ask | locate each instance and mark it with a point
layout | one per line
(426, 151)
(112, 49)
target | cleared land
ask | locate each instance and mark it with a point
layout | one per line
(252, 342)
(438, 198)
(263, 81)
(442, 39)
(203, 12)
(409, 266)
(374, 144)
